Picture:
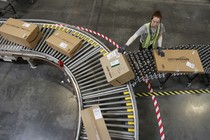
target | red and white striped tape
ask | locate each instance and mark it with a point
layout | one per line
(101, 35)
(157, 110)
(61, 25)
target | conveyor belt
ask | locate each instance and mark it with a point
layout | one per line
(143, 63)
(118, 104)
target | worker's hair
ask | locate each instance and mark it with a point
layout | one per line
(157, 14)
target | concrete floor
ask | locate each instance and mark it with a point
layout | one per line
(34, 104)
(186, 22)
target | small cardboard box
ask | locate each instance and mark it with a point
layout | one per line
(94, 124)
(23, 33)
(183, 61)
(116, 68)
(64, 43)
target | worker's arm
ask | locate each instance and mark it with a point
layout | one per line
(139, 32)
(131, 39)
(160, 51)
(160, 39)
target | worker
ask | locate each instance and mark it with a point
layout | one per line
(149, 34)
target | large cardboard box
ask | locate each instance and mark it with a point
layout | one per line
(64, 43)
(23, 33)
(116, 68)
(94, 124)
(184, 61)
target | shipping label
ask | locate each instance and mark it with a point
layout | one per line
(113, 54)
(191, 65)
(97, 113)
(63, 45)
(115, 63)
(26, 25)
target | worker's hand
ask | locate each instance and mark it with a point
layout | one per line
(160, 52)
(122, 49)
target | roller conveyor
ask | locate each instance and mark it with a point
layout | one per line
(117, 104)
(118, 135)
(143, 64)
(108, 98)
(105, 92)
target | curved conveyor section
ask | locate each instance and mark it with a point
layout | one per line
(117, 104)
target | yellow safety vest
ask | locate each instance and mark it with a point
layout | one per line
(146, 42)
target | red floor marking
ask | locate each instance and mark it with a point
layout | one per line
(101, 35)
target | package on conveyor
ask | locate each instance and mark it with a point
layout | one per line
(64, 43)
(94, 124)
(20, 32)
(178, 61)
(116, 68)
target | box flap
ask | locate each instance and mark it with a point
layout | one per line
(21, 24)
(67, 40)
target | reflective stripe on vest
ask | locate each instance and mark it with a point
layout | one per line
(146, 43)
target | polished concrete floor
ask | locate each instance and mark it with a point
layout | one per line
(185, 117)
(34, 104)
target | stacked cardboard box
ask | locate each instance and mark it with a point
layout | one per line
(64, 43)
(20, 32)
(116, 68)
(94, 124)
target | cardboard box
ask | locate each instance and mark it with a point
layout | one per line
(116, 68)
(183, 61)
(94, 124)
(23, 33)
(64, 43)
